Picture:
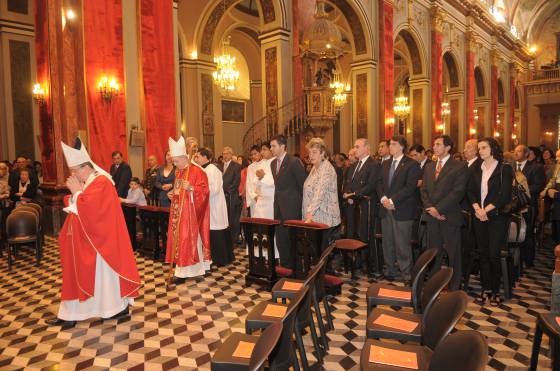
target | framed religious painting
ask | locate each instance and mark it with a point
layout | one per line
(233, 111)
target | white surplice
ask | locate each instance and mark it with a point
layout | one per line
(218, 207)
(106, 300)
(260, 194)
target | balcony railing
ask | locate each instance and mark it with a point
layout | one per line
(547, 74)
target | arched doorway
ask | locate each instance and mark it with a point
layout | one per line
(453, 99)
(409, 73)
(479, 103)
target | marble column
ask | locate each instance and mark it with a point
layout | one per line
(437, 68)
(365, 101)
(470, 85)
(494, 92)
(66, 98)
(386, 69)
(512, 93)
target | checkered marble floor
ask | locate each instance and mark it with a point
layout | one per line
(182, 328)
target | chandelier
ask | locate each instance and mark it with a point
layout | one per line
(226, 75)
(323, 39)
(445, 111)
(340, 91)
(401, 107)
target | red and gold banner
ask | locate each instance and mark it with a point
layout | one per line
(158, 75)
(103, 39)
(46, 128)
(386, 77)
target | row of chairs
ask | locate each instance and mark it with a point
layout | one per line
(24, 228)
(275, 343)
(435, 315)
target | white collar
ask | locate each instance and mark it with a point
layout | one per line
(471, 161)
(522, 163)
(281, 158)
(398, 159)
(444, 160)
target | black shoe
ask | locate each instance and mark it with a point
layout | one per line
(484, 295)
(60, 322)
(179, 280)
(125, 312)
(496, 300)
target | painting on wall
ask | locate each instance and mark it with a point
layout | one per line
(233, 111)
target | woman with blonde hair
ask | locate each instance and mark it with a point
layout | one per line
(320, 194)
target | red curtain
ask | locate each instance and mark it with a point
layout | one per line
(46, 140)
(437, 81)
(158, 74)
(103, 41)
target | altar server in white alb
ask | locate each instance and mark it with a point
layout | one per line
(221, 245)
(99, 274)
(260, 186)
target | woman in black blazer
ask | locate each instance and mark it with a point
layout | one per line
(489, 190)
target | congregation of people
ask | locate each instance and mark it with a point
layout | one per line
(416, 198)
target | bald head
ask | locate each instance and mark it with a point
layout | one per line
(152, 161)
(470, 150)
(520, 153)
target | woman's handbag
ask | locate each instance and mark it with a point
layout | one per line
(519, 198)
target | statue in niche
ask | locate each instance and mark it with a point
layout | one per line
(323, 76)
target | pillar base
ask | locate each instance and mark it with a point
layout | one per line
(53, 203)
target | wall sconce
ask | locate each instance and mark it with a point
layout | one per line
(39, 94)
(445, 110)
(441, 127)
(108, 88)
(472, 131)
(514, 136)
(496, 134)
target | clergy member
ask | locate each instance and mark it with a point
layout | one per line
(221, 245)
(188, 236)
(260, 186)
(99, 275)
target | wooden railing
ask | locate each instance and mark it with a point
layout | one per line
(546, 74)
(289, 119)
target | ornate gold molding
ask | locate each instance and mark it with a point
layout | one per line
(438, 18)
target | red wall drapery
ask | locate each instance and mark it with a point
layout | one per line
(158, 73)
(386, 77)
(103, 39)
(46, 139)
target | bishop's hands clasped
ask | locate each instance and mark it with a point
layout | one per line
(74, 184)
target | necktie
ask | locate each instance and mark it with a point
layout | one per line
(438, 168)
(518, 166)
(357, 169)
(278, 163)
(226, 166)
(392, 171)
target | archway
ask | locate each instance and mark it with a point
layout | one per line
(409, 70)
(453, 96)
(479, 102)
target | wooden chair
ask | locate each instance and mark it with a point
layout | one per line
(547, 323)
(21, 229)
(306, 243)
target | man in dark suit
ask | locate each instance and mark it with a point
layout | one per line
(397, 189)
(231, 171)
(536, 178)
(360, 181)
(418, 153)
(443, 189)
(121, 173)
(468, 241)
(289, 176)
(14, 178)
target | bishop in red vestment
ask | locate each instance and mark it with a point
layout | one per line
(188, 237)
(99, 274)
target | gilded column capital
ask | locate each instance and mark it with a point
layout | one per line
(472, 42)
(438, 18)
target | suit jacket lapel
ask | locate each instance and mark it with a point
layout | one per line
(443, 171)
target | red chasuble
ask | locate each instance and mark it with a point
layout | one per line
(99, 228)
(190, 220)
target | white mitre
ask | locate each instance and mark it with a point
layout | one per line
(177, 148)
(79, 155)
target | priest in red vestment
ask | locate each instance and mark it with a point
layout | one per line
(99, 274)
(188, 236)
